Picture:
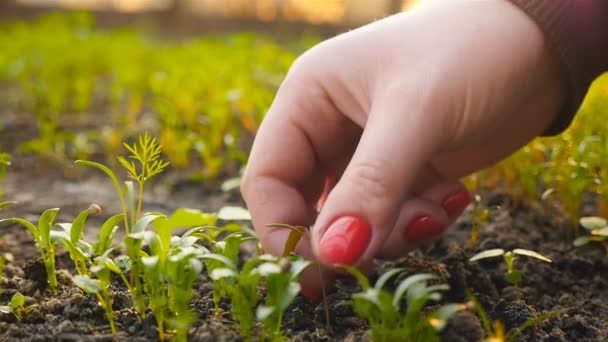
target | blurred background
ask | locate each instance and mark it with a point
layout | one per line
(349, 12)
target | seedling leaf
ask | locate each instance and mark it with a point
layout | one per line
(263, 312)
(26, 224)
(490, 253)
(532, 254)
(220, 273)
(581, 241)
(106, 233)
(17, 301)
(231, 213)
(593, 222)
(361, 278)
(6, 204)
(46, 222)
(406, 284)
(385, 277)
(87, 284)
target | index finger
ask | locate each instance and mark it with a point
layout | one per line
(301, 133)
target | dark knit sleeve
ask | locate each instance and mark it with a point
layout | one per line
(578, 30)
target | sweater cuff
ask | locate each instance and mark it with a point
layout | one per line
(578, 30)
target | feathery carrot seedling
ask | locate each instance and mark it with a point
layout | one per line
(42, 238)
(513, 276)
(146, 152)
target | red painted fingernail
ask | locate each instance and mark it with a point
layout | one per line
(310, 294)
(345, 240)
(423, 228)
(455, 203)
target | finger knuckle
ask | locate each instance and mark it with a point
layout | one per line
(370, 181)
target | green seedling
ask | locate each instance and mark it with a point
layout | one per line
(597, 229)
(4, 258)
(481, 214)
(170, 270)
(513, 276)
(282, 286)
(145, 153)
(16, 306)
(5, 204)
(241, 286)
(5, 162)
(495, 331)
(99, 287)
(42, 238)
(228, 249)
(383, 309)
(71, 239)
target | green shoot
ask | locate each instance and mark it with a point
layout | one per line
(42, 238)
(5, 204)
(597, 229)
(16, 306)
(513, 276)
(146, 152)
(71, 239)
(3, 259)
(295, 235)
(481, 214)
(282, 286)
(241, 286)
(383, 309)
(5, 162)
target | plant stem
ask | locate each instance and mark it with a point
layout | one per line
(140, 200)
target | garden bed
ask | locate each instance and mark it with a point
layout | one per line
(575, 284)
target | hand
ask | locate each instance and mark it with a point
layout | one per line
(379, 124)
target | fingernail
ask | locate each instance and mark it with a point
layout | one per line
(310, 294)
(423, 228)
(455, 203)
(345, 240)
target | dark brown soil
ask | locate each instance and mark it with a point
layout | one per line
(575, 285)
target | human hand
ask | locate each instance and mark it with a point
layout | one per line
(379, 124)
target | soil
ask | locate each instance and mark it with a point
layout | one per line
(575, 285)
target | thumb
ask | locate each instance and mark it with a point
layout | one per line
(361, 210)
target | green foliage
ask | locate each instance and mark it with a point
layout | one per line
(597, 229)
(16, 306)
(383, 310)
(42, 237)
(513, 276)
(280, 276)
(204, 97)
(282, 286)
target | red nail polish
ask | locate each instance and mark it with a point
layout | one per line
(310, 294)
(345, 240)
(455, 203)
(423, 228)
